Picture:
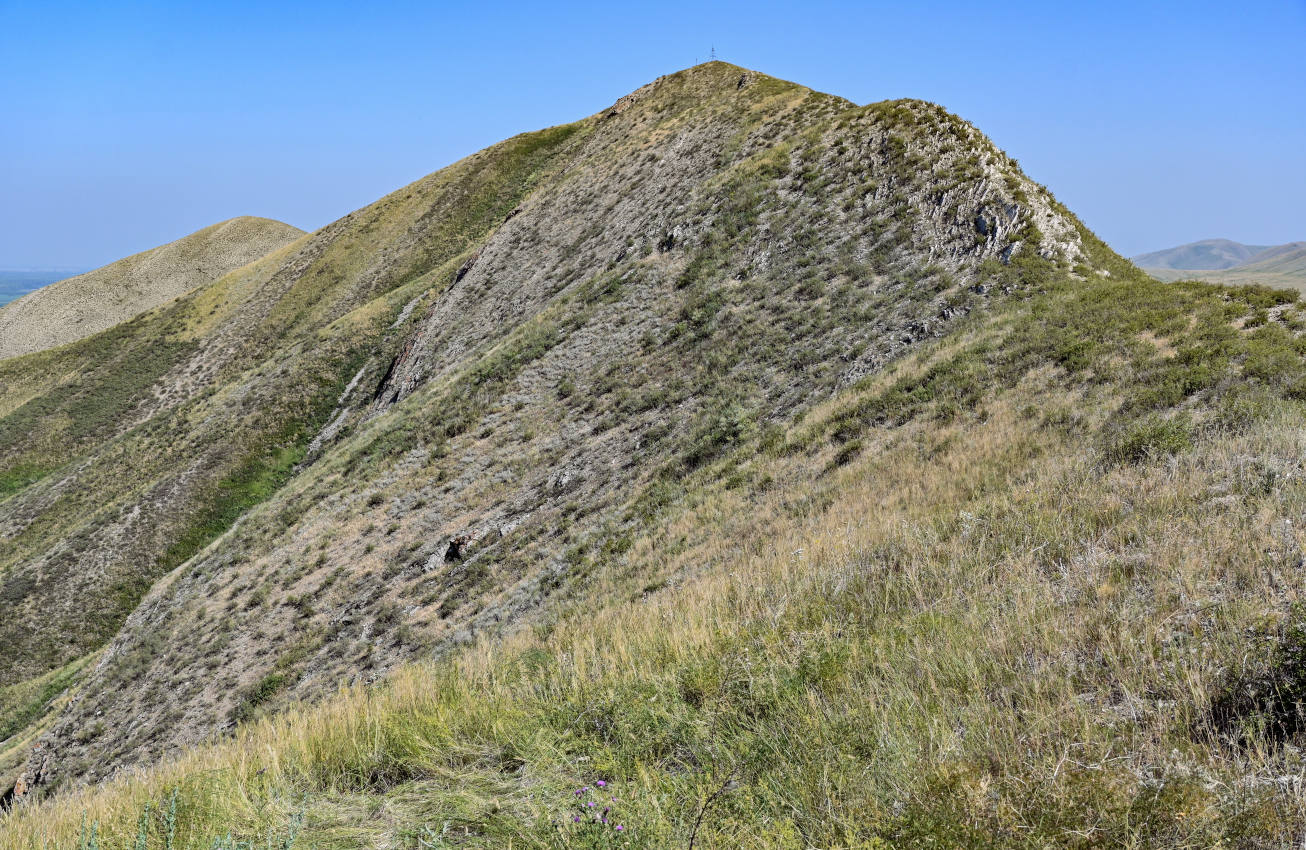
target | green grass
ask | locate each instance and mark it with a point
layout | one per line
(22, 704)
(996, 594)
(113, 373)
(89, 410)
(929, 641)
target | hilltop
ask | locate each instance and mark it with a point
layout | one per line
(1205, 254)
(84, 305)
(516, 347)
(803, 471)
(1232, 263)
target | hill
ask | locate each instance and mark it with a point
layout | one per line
(80, 306)
(14, 284)
(1206, 254)
(1231, 264)
(799, 473)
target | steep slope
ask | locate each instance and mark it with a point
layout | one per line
(800, 470)
(455, 405)
(1206, 254)
(122, 454)
(1031, 585)
(81, 306)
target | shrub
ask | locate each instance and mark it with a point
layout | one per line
(257, 695)
(1263, 702)
(1149, 439)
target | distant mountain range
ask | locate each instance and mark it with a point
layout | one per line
(1226, 261)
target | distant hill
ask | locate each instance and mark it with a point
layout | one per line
(77, 307)
(1231, 263)
(15, 284)
(1206, 254)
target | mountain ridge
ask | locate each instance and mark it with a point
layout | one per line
(1212, 254)
(602, 165)
(1223, 261)
(85, 304)
(636, 449)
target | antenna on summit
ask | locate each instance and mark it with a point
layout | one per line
(712, 55)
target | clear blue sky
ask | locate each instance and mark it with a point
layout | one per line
(126, 125)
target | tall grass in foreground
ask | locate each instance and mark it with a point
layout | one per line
(1001, 619)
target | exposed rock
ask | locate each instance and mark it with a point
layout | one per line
(710, 253)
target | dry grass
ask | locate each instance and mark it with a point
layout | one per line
(974, 632)
(82, 306)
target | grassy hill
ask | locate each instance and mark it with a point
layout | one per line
(767, 470)
(1206, 254)
(1232, 264)
(83, 305)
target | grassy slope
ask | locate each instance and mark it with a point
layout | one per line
(80, 306)
(998, 595)
(234, 378)
(76, 395)
(342, 571)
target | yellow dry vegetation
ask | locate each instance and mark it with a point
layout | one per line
(974, 632)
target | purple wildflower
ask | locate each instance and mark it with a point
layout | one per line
(620, 827)
(601, 784)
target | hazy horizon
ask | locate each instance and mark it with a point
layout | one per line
(15, 283)
(133, 126)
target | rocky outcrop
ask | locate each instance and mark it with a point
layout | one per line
(716, 252)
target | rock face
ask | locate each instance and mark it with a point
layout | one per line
(80, 306)
(516, 357)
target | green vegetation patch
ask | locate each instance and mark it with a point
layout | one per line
(24, 703)
(1264, 702)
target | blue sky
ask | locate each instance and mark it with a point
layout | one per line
(126, 125)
